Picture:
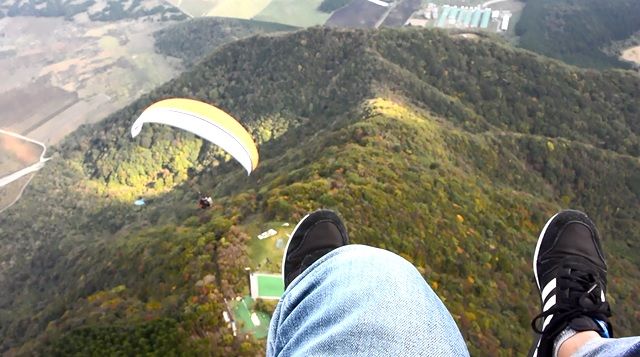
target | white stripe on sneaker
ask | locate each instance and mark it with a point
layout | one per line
(547, 289)
(549, 304)
(546, 321)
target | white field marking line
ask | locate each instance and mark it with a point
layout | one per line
(253, 282)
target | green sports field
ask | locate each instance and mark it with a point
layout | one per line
(266, 286)
(250, 321)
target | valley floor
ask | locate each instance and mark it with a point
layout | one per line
(61, 74)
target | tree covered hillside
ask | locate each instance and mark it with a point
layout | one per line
(577, 32)
(449, 152)
(196, 38)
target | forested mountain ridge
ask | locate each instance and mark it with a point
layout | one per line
(468, 145)
(578, 32)
(194, 39)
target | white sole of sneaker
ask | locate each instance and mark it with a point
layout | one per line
(286, 247)
(534, 351)
(535, 254)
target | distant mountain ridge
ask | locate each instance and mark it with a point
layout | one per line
(94, 10)
(194, 39)
(578, 32)
(467, 145)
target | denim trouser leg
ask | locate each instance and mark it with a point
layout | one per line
(359, 300)
(619, 347)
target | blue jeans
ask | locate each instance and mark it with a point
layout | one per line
(619, 347)
(363, 301)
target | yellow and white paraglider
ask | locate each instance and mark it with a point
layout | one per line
(205, 121)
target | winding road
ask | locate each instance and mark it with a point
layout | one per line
(27, 170)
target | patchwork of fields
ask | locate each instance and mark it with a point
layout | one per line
(301, 13)
(359, 13)
(76, 72)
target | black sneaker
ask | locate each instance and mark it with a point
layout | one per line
(315, 235)
(572, 279)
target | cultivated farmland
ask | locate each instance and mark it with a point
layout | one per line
(359, 14)
(15, 154)
(399, 15)
(302, 13)
(62, 74)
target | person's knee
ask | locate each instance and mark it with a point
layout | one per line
(369, 265)
(363, 256)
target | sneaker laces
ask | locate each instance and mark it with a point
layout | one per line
(581, 299)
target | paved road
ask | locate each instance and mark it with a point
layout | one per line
(33, 168)
(27, 170)
(18, 174)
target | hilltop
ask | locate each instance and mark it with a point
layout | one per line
(194, 39)
(468, 146)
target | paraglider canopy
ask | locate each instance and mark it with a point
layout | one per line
(205, 121)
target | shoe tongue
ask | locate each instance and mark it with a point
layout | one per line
(578, 240)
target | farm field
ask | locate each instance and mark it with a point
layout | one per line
(92, 10)
(241, 9)
(76, 72)
(16, 154)
(359, 14)
(399, 15)
(16, 116)
(82, 112)
(303, 13)
(195, 8)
